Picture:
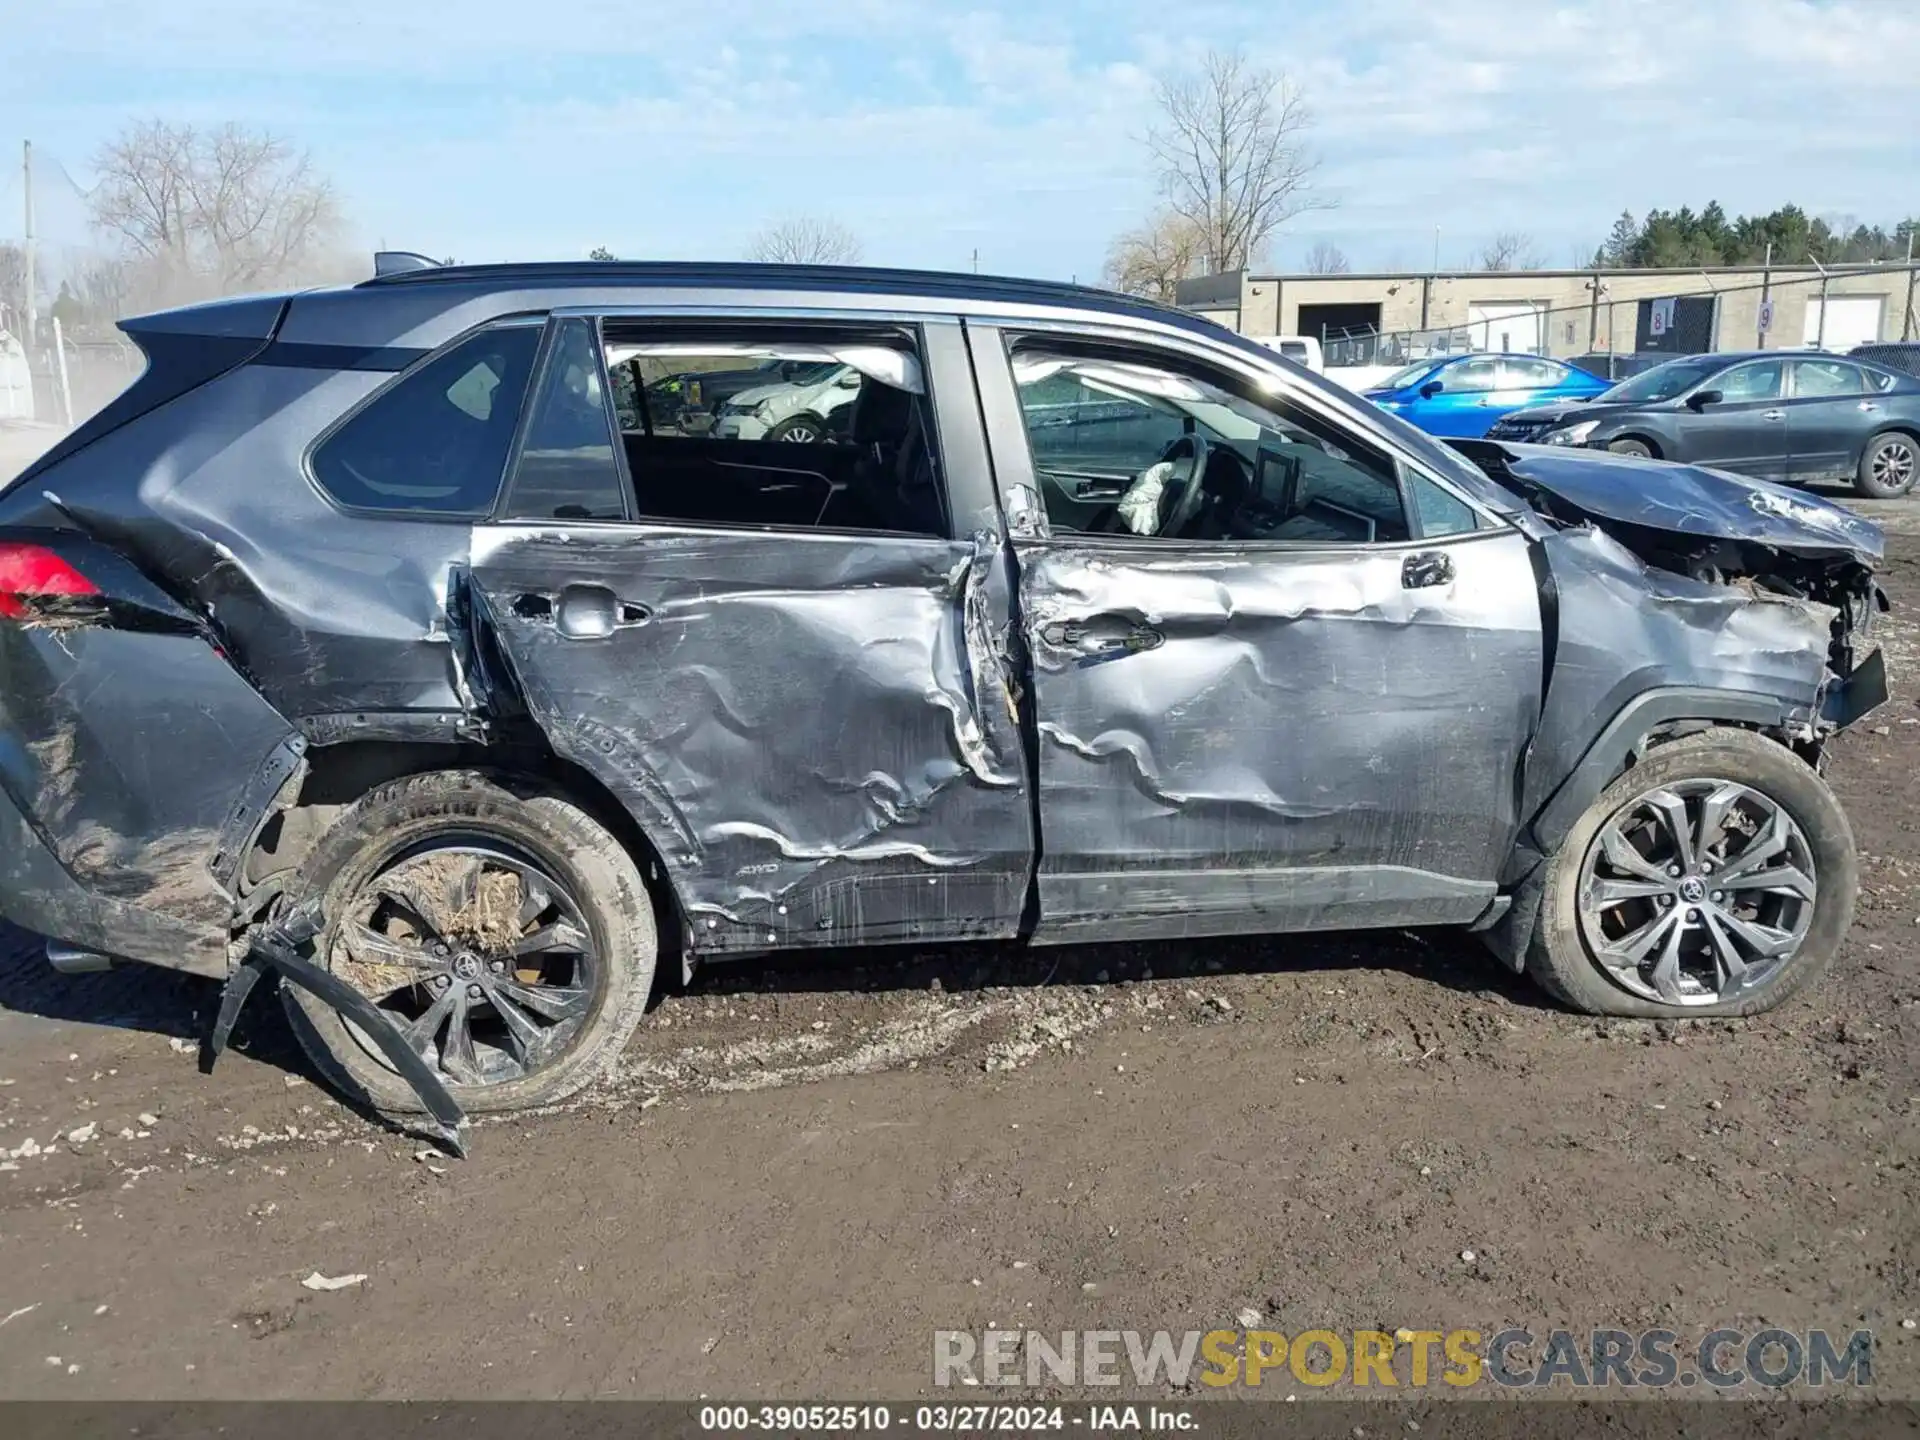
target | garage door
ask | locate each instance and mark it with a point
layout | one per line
(1507, 326)
(1851, 320)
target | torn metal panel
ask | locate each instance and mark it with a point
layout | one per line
(1625, 627)
(141, 763)
(1681, 499)
(1239, 716)
(815, 729)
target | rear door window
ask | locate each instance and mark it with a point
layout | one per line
(776, 425)
(1518, 373)
(434, 441)
(1825, 380)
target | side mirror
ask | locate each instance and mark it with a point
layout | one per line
(848, 381)
(1431, 389)
(1700, 399)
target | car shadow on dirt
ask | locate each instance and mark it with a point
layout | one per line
(163, 1002)
(136, 997)
(1451, 959)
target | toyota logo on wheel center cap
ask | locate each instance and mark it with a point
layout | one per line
(467, 967)
(1693, 889)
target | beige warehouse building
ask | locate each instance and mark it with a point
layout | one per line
(1568, 312)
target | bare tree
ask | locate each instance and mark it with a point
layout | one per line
(1153, 260)
(601, 252)
(1509, 250)
(805, 240)
(1232, 155)
(212, 210)
(1327, 259)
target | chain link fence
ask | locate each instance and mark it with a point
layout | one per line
(62, 379)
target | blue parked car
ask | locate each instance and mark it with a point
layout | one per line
(1460, 396)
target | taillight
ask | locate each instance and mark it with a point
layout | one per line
(33, 573)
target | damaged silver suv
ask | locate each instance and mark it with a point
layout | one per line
(395, 641)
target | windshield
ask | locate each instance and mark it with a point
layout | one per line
(1662, 382)
(1400, 379)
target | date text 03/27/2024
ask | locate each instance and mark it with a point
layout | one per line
(947, 1419)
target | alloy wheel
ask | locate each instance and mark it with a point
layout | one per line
(1893, 465)
(480, 955)
(801, 434)
(1697, 892)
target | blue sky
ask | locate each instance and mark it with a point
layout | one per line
(492, 129)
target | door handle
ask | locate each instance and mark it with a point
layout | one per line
(1773, 414)
(1425, 570)
(1100, 489)
(1104, 636)
(580, 612)
(1869, 406)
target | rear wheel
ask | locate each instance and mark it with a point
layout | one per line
(1888, 467)
(1717, 877)
(1628, 445)
(507, 933)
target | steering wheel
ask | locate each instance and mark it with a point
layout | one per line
(1181, 496)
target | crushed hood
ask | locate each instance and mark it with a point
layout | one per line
(1682, 499)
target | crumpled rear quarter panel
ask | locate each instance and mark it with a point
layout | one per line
(125, 752)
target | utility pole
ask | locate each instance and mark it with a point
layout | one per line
(1906, 320)
(976, 259)
(26, 174)
(1821, 342)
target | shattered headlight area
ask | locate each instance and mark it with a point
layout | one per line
(1776, 587)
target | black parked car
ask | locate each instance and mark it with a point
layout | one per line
(1621, 367)
(424, 680)
(1786, 416)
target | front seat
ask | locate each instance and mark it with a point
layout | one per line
(894, 477)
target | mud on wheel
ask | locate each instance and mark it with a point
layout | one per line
(507, 934)
(1714, 878)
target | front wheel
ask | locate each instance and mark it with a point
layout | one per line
(1888, 467)
(506, 932)
(1630, 446)
(1717, 877)
(799, 429)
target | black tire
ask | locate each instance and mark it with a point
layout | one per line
(1888, 466)
(1558, 958)
(800, 429)
(564, 844)
(1632, 445)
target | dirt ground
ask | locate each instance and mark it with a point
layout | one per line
(800, 1171)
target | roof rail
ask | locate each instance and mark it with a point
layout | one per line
(399, 262)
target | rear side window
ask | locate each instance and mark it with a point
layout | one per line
(436, 440)
(567, 469)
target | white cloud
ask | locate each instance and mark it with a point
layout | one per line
(492, 128)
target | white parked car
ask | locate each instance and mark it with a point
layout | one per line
(798, 409)
(1301, 349)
